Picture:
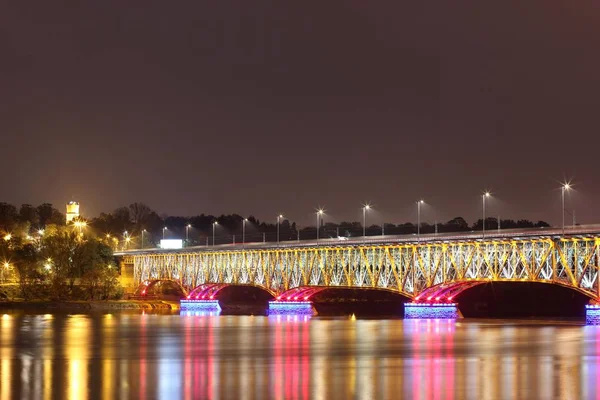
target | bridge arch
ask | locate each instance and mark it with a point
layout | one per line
(161, 288)
(214, 291)
(509, 298)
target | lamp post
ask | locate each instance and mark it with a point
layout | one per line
(564, 188)
(244, 230)
(483, 197)
(187, 233)
(143, 231)
(364, 209)
(319, 213)
(214, 224)
(419, 218)
(164, 229)
(279, 217)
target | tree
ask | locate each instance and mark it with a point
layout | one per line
(139, 213)
(28, 213)
(8, 216)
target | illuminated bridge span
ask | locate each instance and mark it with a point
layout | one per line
(398, 263)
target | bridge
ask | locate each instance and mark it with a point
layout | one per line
(431, 264)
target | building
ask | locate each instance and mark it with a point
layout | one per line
(72, 211)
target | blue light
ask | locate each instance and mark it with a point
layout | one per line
(291, 307)
(430, 311)
(199, 313)
(200, 305)
(592, 314)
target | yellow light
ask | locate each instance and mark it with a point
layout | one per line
(321, 211)
(49, 260)
(367, 207)
(128, 239)
(41, 232)
(567, 186)
(487, 194)
(7, 237)
(6, 265)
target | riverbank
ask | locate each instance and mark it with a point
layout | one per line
(40, 305)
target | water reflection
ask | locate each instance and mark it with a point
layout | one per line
(112, 356)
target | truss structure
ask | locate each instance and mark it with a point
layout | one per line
(406, 268)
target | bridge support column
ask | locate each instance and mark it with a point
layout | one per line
(431, 311)
(278, 307)
(592, 314)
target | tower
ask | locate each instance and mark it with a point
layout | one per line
(72, 211)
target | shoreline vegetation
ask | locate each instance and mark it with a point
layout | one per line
(89, 305)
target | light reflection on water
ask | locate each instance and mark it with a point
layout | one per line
(197, 356)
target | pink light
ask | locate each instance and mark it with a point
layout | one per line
(450, 298)
(429, 298)
(438, 298)
(296, 298)
(289, 297)
(143, 292)
(305, 297)
(212, 297)
(417, 298)
(278, 297)
(188, 297)
(197, 297)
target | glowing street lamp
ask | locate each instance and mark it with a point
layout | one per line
(187, 233)
(279, 218)
(565, 187)
(214, 224)
(484, 196)
(365, 208)
(320, 212)
(244, 230)
(127, 240)
(419, 218)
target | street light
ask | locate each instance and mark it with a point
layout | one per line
(483, 197)
(279, 217)
(143, 231)
(364, 209)
(187, 233)
(214, 224)
(419, 218)
(564, 188)
(163, 230)
(319, 213)
(244, 230)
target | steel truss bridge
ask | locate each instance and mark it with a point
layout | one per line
(403, 264)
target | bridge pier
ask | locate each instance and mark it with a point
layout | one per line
(431, 311)
(592, 314)
(279, 307)
(200, 305)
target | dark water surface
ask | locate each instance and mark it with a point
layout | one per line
(123, 355)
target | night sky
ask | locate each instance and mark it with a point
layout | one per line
(261, 107)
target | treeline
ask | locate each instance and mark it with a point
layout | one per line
(137, 225)
(198, 230)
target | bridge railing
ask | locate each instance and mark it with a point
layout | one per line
(581, 230)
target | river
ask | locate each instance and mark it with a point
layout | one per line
(189, 356)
